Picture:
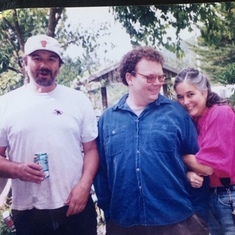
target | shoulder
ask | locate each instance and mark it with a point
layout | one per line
(14, 93)
(71, 92)
(171, 104)
(165, 100)
(107, 112)
(220, 114)
(221, 110)
(112, 111)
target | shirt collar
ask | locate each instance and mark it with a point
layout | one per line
(159, 101)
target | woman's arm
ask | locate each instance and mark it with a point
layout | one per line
(192, 163)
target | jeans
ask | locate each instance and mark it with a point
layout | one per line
(220, 216)
(191, 226)
(55, 222)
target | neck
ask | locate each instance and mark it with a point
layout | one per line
(133, 104)
(41, 89)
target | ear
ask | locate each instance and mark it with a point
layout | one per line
(129, 78)
(205, 93)
(25, 61)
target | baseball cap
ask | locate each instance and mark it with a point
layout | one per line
(42, 42)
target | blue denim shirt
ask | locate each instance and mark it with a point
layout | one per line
(142, 178)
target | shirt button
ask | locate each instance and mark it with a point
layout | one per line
(137, 169)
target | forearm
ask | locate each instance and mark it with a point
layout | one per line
(8, 169)
(78, 197)
(89, 170)
(24, 171)
(90, 166)
(192, 163)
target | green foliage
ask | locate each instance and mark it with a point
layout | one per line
(69, 71)
(217, 62)
(17, 25)
(10, 81)
(4, 230)
(216, 45)
(228, 74)
(148, 25)
(87, 43)
(232, 99)
(115, 92)
(219, 29)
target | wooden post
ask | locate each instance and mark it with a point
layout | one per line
(104, 98)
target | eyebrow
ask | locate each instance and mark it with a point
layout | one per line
(188, 92)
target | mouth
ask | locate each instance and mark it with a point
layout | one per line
(154, 91)
(44, 72)
(190, 108)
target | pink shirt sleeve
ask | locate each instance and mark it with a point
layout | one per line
(217, 140)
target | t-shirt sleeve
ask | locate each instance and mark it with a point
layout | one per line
(89, 125)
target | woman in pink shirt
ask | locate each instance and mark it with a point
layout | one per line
(215, 123)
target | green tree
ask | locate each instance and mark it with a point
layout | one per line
(217, 62)
(216, 45)
(149, 24)
(17, 25)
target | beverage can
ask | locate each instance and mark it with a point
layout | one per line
(42, 160)
(8, 221)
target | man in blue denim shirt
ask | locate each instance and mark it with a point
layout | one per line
(141, 184)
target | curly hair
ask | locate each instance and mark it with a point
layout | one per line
(201, 82)
(130, 60)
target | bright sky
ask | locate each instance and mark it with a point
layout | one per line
(94, 16)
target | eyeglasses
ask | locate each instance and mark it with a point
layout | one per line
(152, 78)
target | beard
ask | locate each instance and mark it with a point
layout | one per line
(45, 77)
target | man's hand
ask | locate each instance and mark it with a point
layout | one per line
(77, 199)
(31, 172)
(79, 195)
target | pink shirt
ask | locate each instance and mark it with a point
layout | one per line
(217, 142)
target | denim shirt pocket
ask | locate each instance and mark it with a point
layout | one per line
(114, 141)
(163, 138)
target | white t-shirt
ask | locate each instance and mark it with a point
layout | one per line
(57, 123)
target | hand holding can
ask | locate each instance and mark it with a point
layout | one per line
(42, 160)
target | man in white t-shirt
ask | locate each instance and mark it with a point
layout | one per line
(44, 117)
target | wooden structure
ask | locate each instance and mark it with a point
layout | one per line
(111, 75)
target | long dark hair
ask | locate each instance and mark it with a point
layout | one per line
(201, 82)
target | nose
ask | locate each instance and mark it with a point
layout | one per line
(44, 64)
(186, 101)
